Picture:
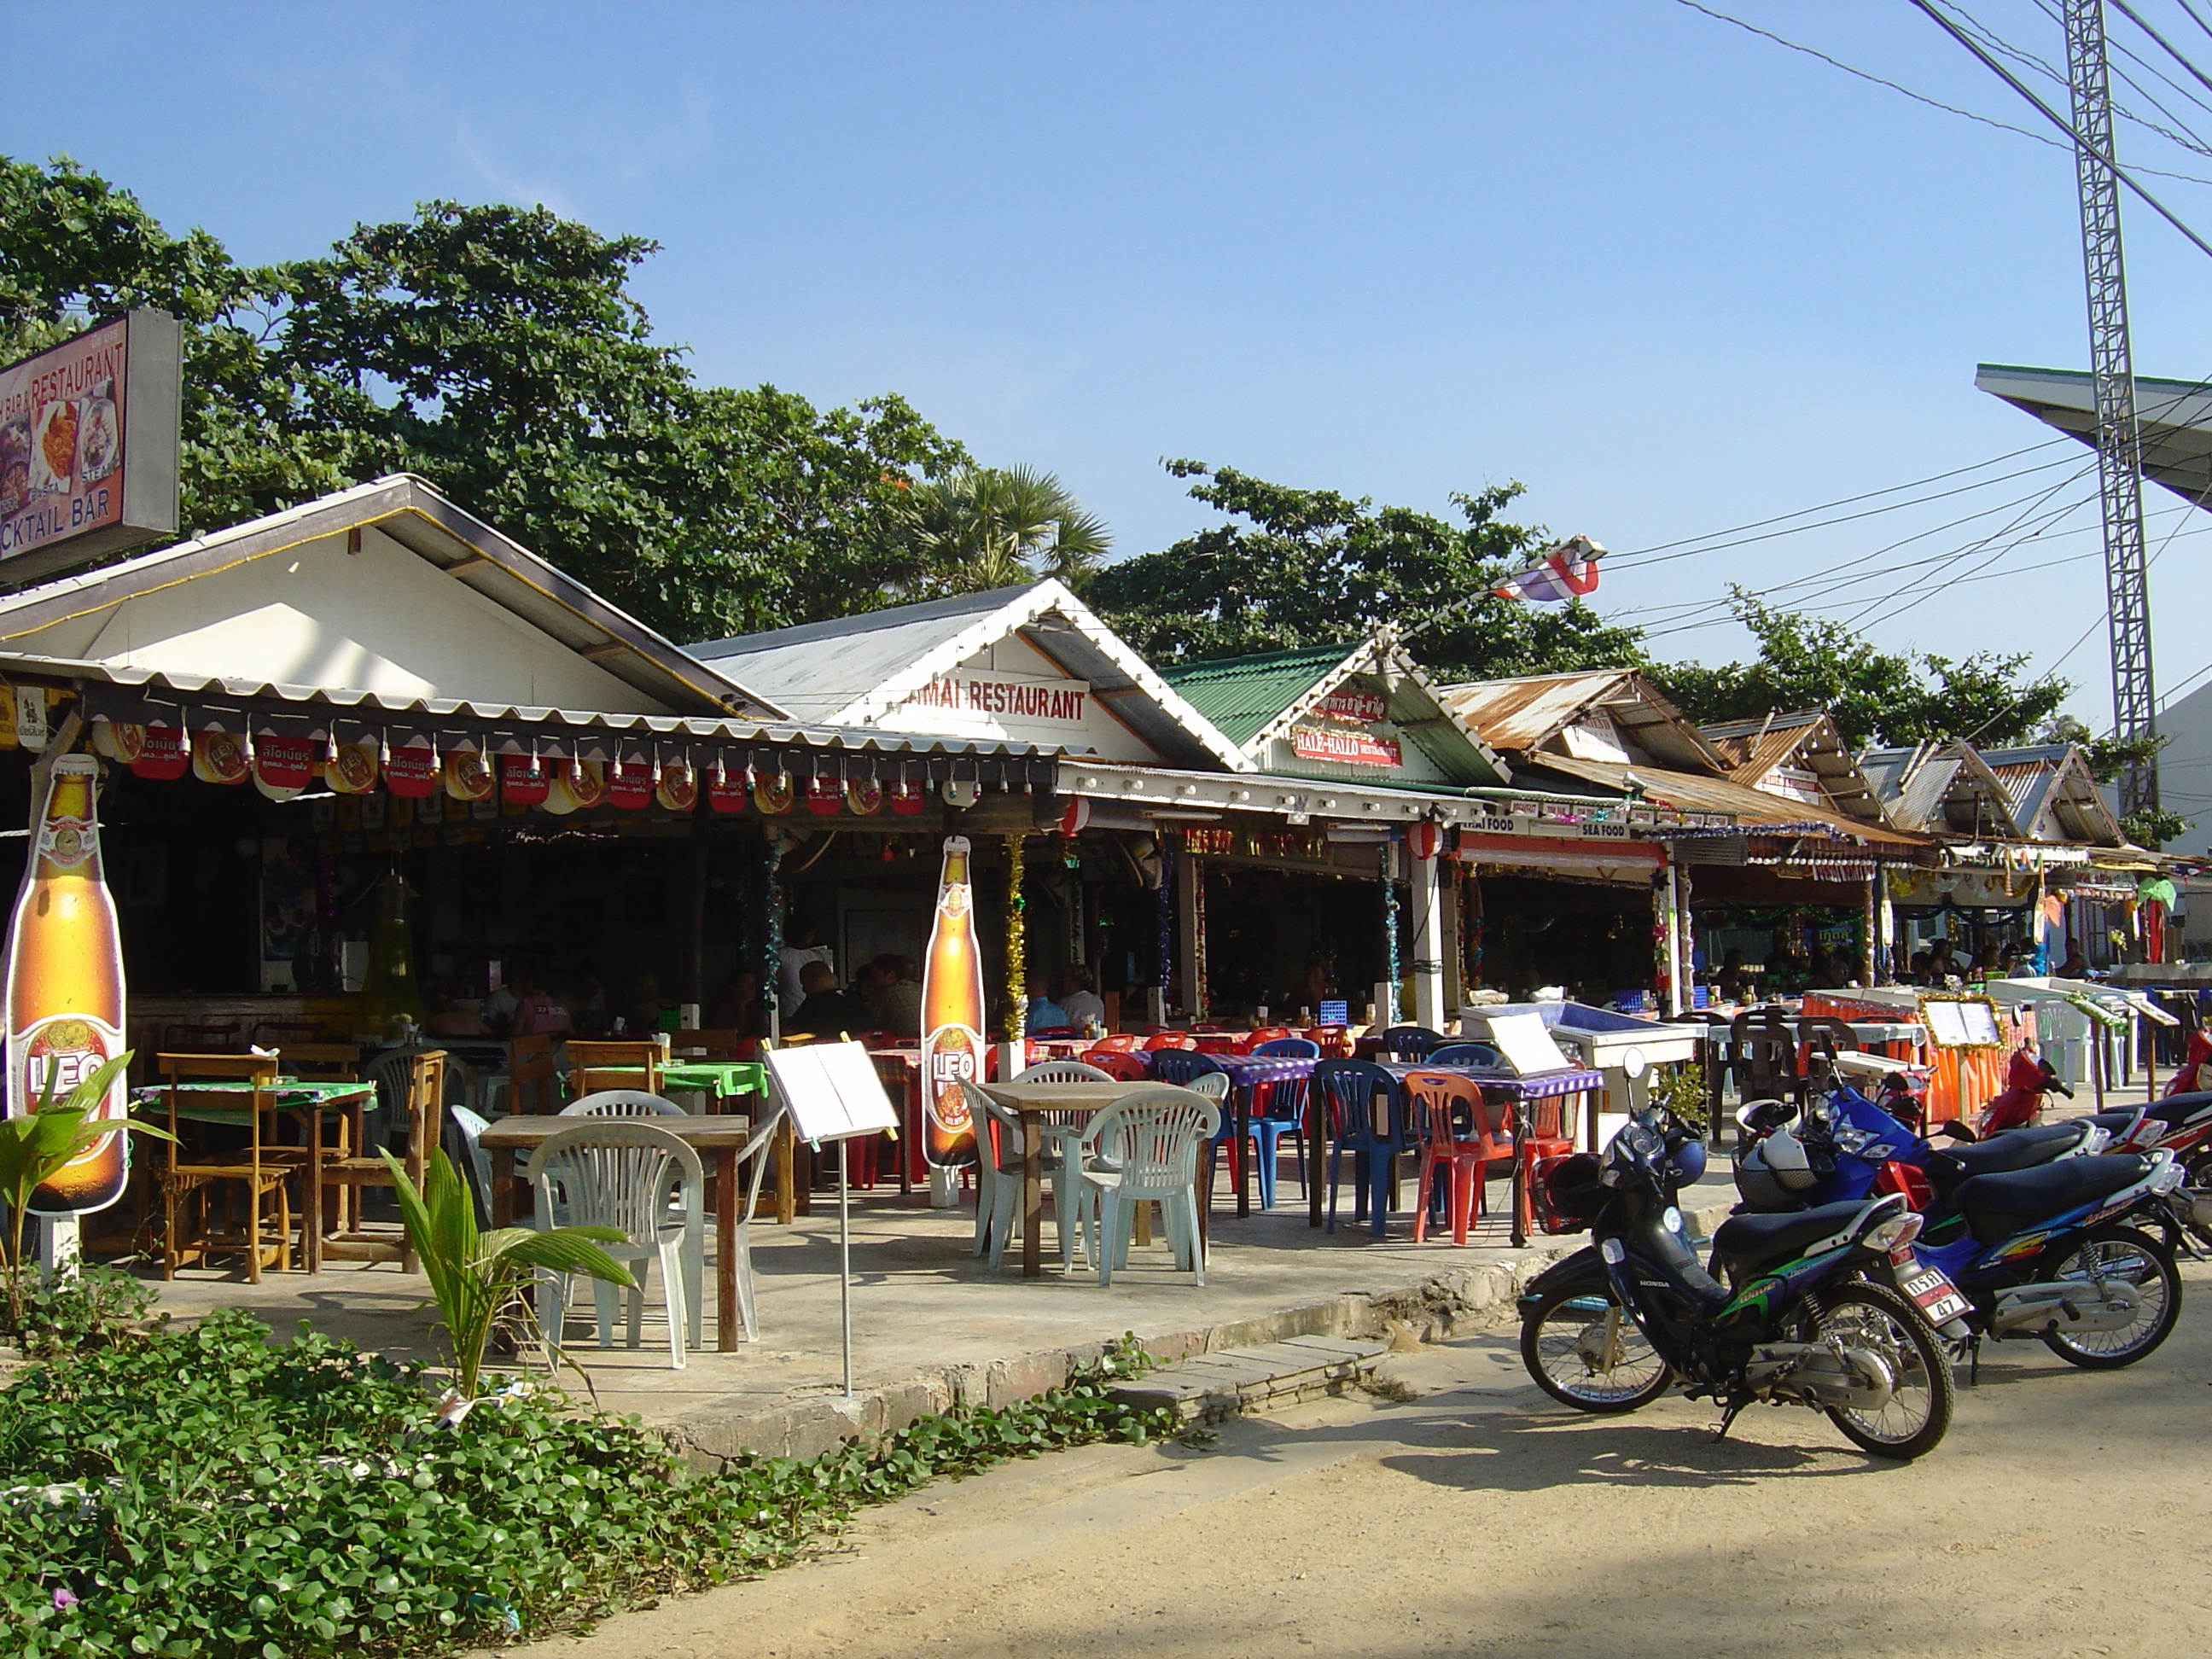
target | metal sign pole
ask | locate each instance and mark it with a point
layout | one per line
(845, 1255)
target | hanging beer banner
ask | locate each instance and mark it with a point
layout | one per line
(283, 767)
(576, 784)
(630, 785)
(951, 1023)
(351, 769)
(65, 987)
(523, 781)
(908, 799)
(824, 795)
(162, 755)
(411, 770)
(117, 742)
(676, 789)
(218, 758)
(467, 778)
(772, 796)
(864, 798)
(726, 791)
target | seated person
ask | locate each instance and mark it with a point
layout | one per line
(825, 1011)
(894, 1002)
(538, 1012)
(1082, 1004)
(442, 1019)
(1042, 1010)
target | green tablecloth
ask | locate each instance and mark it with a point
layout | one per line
(713, 1077)
(289, 1095)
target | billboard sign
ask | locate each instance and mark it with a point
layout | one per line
(88, 445)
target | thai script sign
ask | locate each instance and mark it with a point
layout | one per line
(1359, 707)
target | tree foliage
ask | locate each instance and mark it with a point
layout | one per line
(1882, 698)
(497, 352)
(1304, 566)
(981, 527)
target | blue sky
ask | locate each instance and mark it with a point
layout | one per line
(1670, 276)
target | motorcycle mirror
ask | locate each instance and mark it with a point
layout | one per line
(1957, 1131)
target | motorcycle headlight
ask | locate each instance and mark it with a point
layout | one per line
(1893, 1234)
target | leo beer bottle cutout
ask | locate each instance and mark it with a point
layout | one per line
(951, 1024)
(65, 984)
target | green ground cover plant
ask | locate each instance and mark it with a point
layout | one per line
(208, 1493)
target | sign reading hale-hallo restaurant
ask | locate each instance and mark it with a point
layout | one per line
(88, 443)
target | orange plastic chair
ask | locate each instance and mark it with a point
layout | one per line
(1116, 1063)
(1159, 1040)
(1123, 1042)
(1336, 1041)
(1217, 1042)
(1252, 1040)
(1462, 1129)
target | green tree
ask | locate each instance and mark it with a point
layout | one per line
(498, 352)
(1301, 567)
(980, 527)
(1878, 697)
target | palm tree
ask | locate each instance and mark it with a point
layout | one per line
(981, 527)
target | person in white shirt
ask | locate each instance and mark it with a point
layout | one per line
(799, 950)
(1081, 1004)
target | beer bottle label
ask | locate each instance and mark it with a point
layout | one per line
(59, 1053)
(952, 1050)
(66, 842)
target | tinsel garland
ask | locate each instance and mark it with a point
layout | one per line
(1017, 945)
(1166, 892)
(1197, 940)
(1471, 897)
(1389, 1015)
(772, 933)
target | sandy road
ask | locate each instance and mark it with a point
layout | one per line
(2067, 1513)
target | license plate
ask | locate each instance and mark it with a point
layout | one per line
(1931, 1290)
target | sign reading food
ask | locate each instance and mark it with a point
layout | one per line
(88, 438)
(1331, 742)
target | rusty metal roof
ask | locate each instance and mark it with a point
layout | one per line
(1689, 793)
(1527, 712)
(1807, 737)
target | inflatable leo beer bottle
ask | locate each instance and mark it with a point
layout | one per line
(951, 1025)
(65, 983)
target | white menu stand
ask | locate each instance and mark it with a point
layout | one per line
(833, 1093)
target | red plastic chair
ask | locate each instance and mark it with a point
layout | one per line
(1160, 1040)
(1252, 1040)
(1336, 1041)
(1461, 1129)
(1122, 1043)
(1129, 1068)
(1217, 1042)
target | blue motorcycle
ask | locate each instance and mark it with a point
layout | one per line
(2027, 1235)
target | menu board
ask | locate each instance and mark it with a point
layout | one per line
(1528, 1044)
(1961, 1022)
(831, 1091)
(88, 445)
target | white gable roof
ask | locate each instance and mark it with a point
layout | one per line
(879, 669)
(388, 589)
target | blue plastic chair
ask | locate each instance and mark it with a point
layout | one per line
(1285, 1115)
(1290, 1049)
(1368, 1118)
(1411, 1044)
(1177, 1067)
(1462, 1054)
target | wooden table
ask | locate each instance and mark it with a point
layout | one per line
(718, 1138)
(306, 1100)
(1030, 1102)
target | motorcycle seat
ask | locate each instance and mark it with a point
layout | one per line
(2114, 1122)
(1998, 1205)
(2016, 1149)
(1753, 1241)
(2174, 1110)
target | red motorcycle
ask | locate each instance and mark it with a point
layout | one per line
(2028, 1078)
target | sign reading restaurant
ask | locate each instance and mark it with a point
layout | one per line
(1336, 743)
(89, 441)
(1004, 696)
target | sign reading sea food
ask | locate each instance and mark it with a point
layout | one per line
(88, 441)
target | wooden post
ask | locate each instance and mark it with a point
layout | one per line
(1190, 932)
(694, 920)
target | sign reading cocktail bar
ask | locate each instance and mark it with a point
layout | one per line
(89, 440)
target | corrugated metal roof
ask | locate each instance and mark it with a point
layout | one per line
(1932, 788)
(2055, 776)
(1243, 696)
(416, 517)
(1689, 793)
(1521, 714)
(851, 670)
(1807, 738)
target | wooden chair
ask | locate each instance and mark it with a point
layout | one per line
(719, 1045)
(424, 1107)
(288, 1033)
(322, 1062)
(596, 1065)
(203, 1037)
(189, 1177)
(531, 1084)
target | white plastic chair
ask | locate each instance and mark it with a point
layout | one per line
(625, 1175)
(999, 1180)
(1144, 1149)
(623, 1103)
(1062, 1071)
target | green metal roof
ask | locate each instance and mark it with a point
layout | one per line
(1242, 695)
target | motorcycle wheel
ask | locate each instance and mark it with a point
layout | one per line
(2124, 1252)
(1565, 1340)
(1919, 1411)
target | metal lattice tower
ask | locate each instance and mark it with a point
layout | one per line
(2119, 451)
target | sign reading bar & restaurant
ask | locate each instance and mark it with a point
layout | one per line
(89, 441)
(1327, 742)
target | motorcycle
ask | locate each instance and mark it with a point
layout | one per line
(2033, 1226)
(1804, 1318)
(2182, 1125)
(2028, 1078)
